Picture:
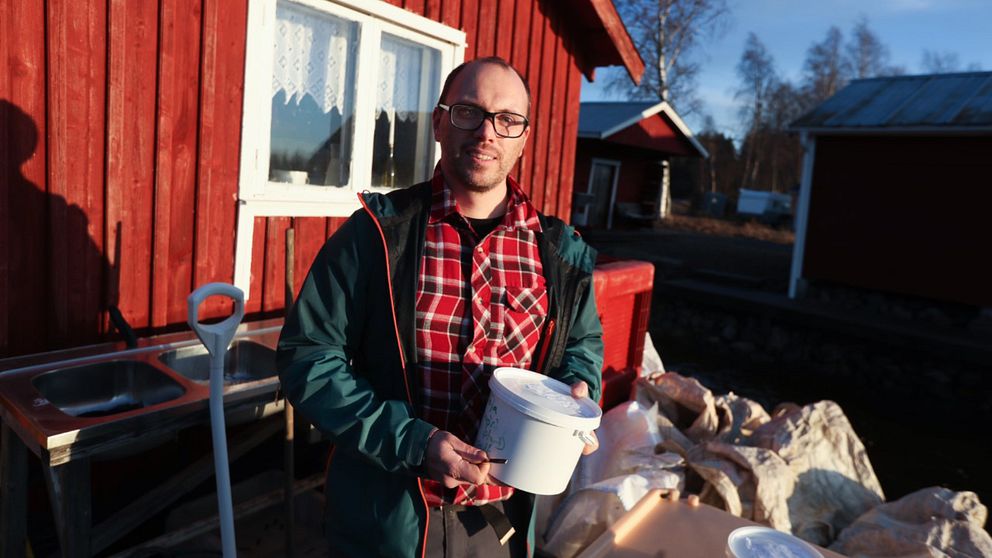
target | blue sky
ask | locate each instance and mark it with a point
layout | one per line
(787, 28)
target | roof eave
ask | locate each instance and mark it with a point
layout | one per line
(618, 47)
(673, 117)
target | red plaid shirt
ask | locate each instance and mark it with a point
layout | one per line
(481, 304)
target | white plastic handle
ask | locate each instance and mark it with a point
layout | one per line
(216, 337)
(586, 437)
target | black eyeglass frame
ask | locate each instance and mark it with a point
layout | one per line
(486, 115)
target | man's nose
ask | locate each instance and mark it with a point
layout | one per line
(486, 130)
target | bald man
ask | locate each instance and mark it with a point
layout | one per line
(406, 312)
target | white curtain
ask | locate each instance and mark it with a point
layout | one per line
(400, 77)
(311, 56)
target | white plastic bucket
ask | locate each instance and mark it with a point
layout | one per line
(764, 542)
(534, 423)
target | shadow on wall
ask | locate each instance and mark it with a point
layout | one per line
(56, 283)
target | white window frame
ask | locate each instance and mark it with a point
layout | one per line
(257, 196)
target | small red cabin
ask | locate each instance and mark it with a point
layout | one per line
(621, 163)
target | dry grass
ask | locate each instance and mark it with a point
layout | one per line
(724, 227)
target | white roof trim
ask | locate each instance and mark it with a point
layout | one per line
(649, 112)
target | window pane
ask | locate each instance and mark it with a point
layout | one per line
(407, 88)
(313, 97)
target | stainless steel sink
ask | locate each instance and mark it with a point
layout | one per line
(107, 388)
(102, 399)
(245, 361)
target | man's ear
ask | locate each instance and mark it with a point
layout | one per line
(436, 121)
(524, 138)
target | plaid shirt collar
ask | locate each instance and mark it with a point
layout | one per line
(520, 213)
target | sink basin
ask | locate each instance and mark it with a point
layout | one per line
(106, 388)
(245, 361)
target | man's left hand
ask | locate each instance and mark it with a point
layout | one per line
(580, 390)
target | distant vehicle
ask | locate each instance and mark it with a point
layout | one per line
(770, 207)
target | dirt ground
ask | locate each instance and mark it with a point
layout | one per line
(750, 253)
(726, 228)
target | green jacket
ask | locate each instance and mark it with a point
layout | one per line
(347, 360)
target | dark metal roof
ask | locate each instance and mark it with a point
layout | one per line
(934, 102)
(596, 118)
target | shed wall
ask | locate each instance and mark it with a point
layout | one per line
(119, 150)
(639, 170)
(902, 214)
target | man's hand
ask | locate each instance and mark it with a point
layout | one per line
(452, 462)
(580, 390)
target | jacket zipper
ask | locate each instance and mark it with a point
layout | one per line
(399, 347)
(548, 338)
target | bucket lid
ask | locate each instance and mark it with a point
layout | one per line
(545, 399)
(763, 542)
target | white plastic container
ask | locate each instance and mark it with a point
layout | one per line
(764, 542)
(533, 422)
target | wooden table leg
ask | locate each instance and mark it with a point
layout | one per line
(69, 489)
(13, 494)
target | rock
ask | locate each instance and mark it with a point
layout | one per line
(778, 339)
(729, 331)
(745, 347)
(936, 317)
(982, 324)
(901, 312)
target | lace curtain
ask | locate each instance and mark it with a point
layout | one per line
(312, 53)
(311, 56)
(399, 79)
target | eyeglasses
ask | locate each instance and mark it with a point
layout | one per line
(469, 117)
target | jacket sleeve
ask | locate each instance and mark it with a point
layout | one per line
(583, 356)
(318, 348)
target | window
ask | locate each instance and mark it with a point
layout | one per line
(338, 100)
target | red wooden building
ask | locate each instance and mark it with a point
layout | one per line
(149, 147)
(621, 163)
(895, 188)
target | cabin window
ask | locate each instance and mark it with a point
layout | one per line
(338, 100)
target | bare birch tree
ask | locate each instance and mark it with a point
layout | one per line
(825, 69)
(756, 70)
(866, 54)
(669, 34)
(934, 62)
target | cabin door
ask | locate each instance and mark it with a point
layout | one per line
(603, 189)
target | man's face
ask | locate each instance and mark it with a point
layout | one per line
(479, 160)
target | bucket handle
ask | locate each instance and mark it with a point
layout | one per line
(585, 437)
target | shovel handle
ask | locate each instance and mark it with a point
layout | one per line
(216, 337)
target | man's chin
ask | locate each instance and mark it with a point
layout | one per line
(480, 184)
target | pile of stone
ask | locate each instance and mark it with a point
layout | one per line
(797, 469)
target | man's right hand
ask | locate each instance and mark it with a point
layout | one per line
(452, 462)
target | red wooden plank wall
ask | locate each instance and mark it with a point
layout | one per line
(119, 151)
(119, 147)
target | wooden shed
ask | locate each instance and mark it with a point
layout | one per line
(895, 190)
(622, 161)
(147, 148)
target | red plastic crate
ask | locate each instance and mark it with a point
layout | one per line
(623, 301)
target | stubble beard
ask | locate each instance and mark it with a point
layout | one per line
(480, 184)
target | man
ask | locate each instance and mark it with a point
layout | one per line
(406, 312)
